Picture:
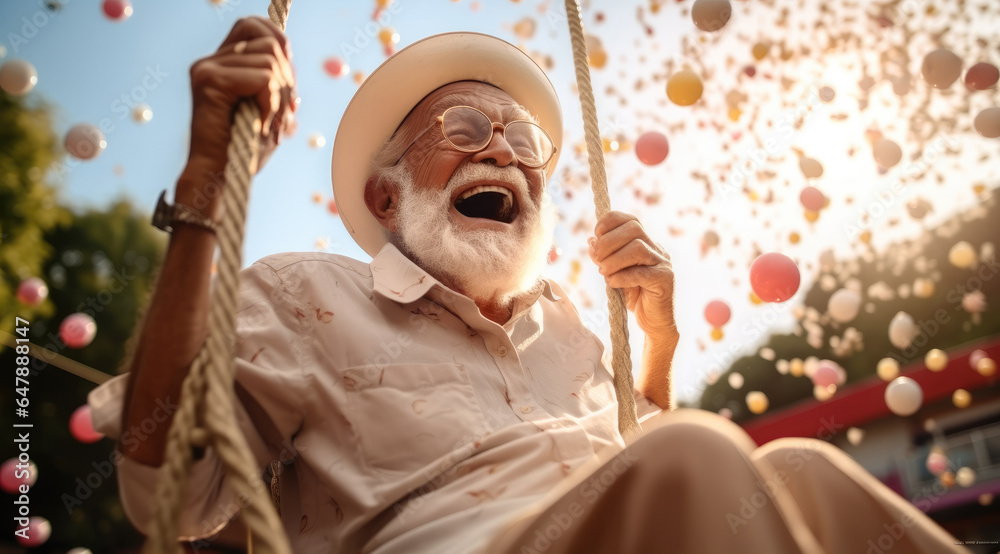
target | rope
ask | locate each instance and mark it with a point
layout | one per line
(621, 360)
(206, 416)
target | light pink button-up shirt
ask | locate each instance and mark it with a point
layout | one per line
(405, 420)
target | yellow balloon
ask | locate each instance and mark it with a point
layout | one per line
(734, 114)
(717, 334)
(684, 87)
(597, 58)
(961, 398)
(811, 216)
(962, 255)
(794, 237)
(757, 402)
(754, 299)
(936, 359)
(760, 50)
(887, 369)
(796, 368)
(986, 367)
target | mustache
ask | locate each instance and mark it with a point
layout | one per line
(470, 173)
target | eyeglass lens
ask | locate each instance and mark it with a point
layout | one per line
(471, 130)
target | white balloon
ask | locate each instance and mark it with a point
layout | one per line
(903, 396)
(711, 15)
(887, 369)
(18, 77)
(85, 141)
(142, 113)
(965, 476)
(855, 435)
(987, 123)
(844, 305)
(736, 381)
(902, 330)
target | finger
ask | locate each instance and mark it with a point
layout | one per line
(253, 27)
(611, 220)
(240, 82)
(656, 280)
(258, 61)
(259, 46)
(611, 241)
(636, 252)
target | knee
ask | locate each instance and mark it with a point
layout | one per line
(794, 454)
(695, 432)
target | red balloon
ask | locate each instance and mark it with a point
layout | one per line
(77, 330)
(117, 10)
(717, 313)
(331, 207)
(32, 291)
(812, 199)
(12, 476)
(982, 76)
(652, 147)
(774, 277)
(39, 530)
(335, 67)
(81, 425)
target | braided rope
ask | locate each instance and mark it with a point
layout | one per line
(621, 352)
(206, 416)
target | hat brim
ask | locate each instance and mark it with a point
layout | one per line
(400, 83)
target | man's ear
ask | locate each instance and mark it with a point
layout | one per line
(382, 199)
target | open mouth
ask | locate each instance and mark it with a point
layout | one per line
(488, 202)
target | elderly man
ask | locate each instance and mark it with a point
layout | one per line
(445, 397)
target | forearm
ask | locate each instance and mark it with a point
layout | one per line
(657, 360)
(174, 328)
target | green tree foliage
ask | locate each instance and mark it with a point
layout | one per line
(99, 262)
(27, 201)
(944, 323)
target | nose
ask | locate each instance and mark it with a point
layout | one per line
(498, 150)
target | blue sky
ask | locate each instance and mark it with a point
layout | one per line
(90, 69)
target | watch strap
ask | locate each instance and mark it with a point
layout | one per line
(166, 215)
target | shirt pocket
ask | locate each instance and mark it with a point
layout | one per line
(406, 416)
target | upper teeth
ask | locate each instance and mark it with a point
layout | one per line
(485, 188)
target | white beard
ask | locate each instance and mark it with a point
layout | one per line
(487, 265)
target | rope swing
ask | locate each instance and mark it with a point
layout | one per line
(621, 352)
(206, 416)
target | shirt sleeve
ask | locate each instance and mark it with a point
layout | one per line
(644, 407)
(272, 396)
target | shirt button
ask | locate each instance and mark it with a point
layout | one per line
(525, 409)
(502, 351)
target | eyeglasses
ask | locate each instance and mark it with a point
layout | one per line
(469, 130)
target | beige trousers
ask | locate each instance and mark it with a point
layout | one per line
(694, 482)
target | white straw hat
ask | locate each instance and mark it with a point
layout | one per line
(400, 83)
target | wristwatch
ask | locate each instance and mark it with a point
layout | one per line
(166, 215)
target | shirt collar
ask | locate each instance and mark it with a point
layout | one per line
(397, 278)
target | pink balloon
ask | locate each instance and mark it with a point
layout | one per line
(827, 373)
(81, 425)
(774, 277)
(982, 76)
(12, 476)
(976, 356)
(937, 463)
(39, 530)
(652, 147)
(335, 67)
(812, 199)
(717, 313)
(117, 10)
(77, 330)
(32, 291)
